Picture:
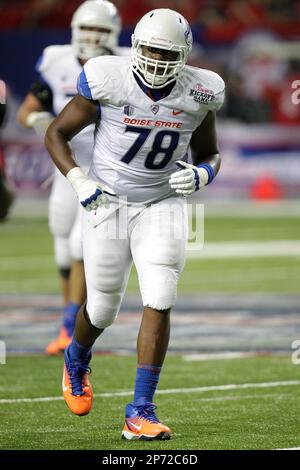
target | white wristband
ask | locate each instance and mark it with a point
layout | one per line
(31, 118)
(35, 116)
(203, 176)
(76, 177)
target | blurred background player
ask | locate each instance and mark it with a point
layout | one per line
(6, 195)
(95, 29)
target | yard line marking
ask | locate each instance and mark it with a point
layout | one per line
(210, 250)
(171, 391)
(284, 383)
(218, 356)
(245, 249)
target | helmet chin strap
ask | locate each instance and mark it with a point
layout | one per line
(154, 80)
(150, 83)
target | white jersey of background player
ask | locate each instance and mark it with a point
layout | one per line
(152, 108)
(95, 30)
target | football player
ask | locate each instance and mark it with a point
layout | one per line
(152, 107)
(95, 29)
(6, 194)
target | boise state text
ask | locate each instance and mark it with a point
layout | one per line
(150, 123)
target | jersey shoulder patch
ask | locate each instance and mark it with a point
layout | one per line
(205, 87)
(103, 78)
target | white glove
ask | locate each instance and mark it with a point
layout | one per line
(39, 121)
(90, 193)
(189, 180)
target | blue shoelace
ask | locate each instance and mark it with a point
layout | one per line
(148, 412)
(76, 374)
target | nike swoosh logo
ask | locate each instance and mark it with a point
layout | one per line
(175, 113)
(138, 428)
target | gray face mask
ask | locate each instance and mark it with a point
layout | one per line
(88, 44)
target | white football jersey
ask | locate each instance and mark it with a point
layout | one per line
(60, 68)
(139, 140)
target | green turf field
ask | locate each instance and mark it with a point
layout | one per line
(257, 417)
(27, 264)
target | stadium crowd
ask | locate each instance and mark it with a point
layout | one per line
(246, 41)
(223, 20)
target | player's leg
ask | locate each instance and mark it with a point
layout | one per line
(62, 213)
(153, 337)
(158, 253)
(107, 262)
(77, 287)
(6, 194)
(64, 272)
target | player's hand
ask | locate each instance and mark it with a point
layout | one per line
(39, 121)
(91, 194)
(189, 179)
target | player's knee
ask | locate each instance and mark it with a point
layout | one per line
(65, 273)
(159, 287)
(62, 253)
(103, 309)
(159, 276)
(60, 220)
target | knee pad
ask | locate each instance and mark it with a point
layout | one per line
(159, 268)
(103, 309)
(62, 210)
(62, 253)
(60, 220)
(105, 289)
(158, 285)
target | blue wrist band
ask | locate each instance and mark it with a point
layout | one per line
(209, 169)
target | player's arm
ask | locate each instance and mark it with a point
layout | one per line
(36, 109)
(204, 144)
(77, 114)
(205, 156)
(29, 105)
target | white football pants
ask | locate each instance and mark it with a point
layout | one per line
(153, 237)
(65, 214)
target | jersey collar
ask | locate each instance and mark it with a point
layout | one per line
(152, 93)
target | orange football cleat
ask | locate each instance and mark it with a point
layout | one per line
(58, 345)
(142, 423)
(77, 390)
